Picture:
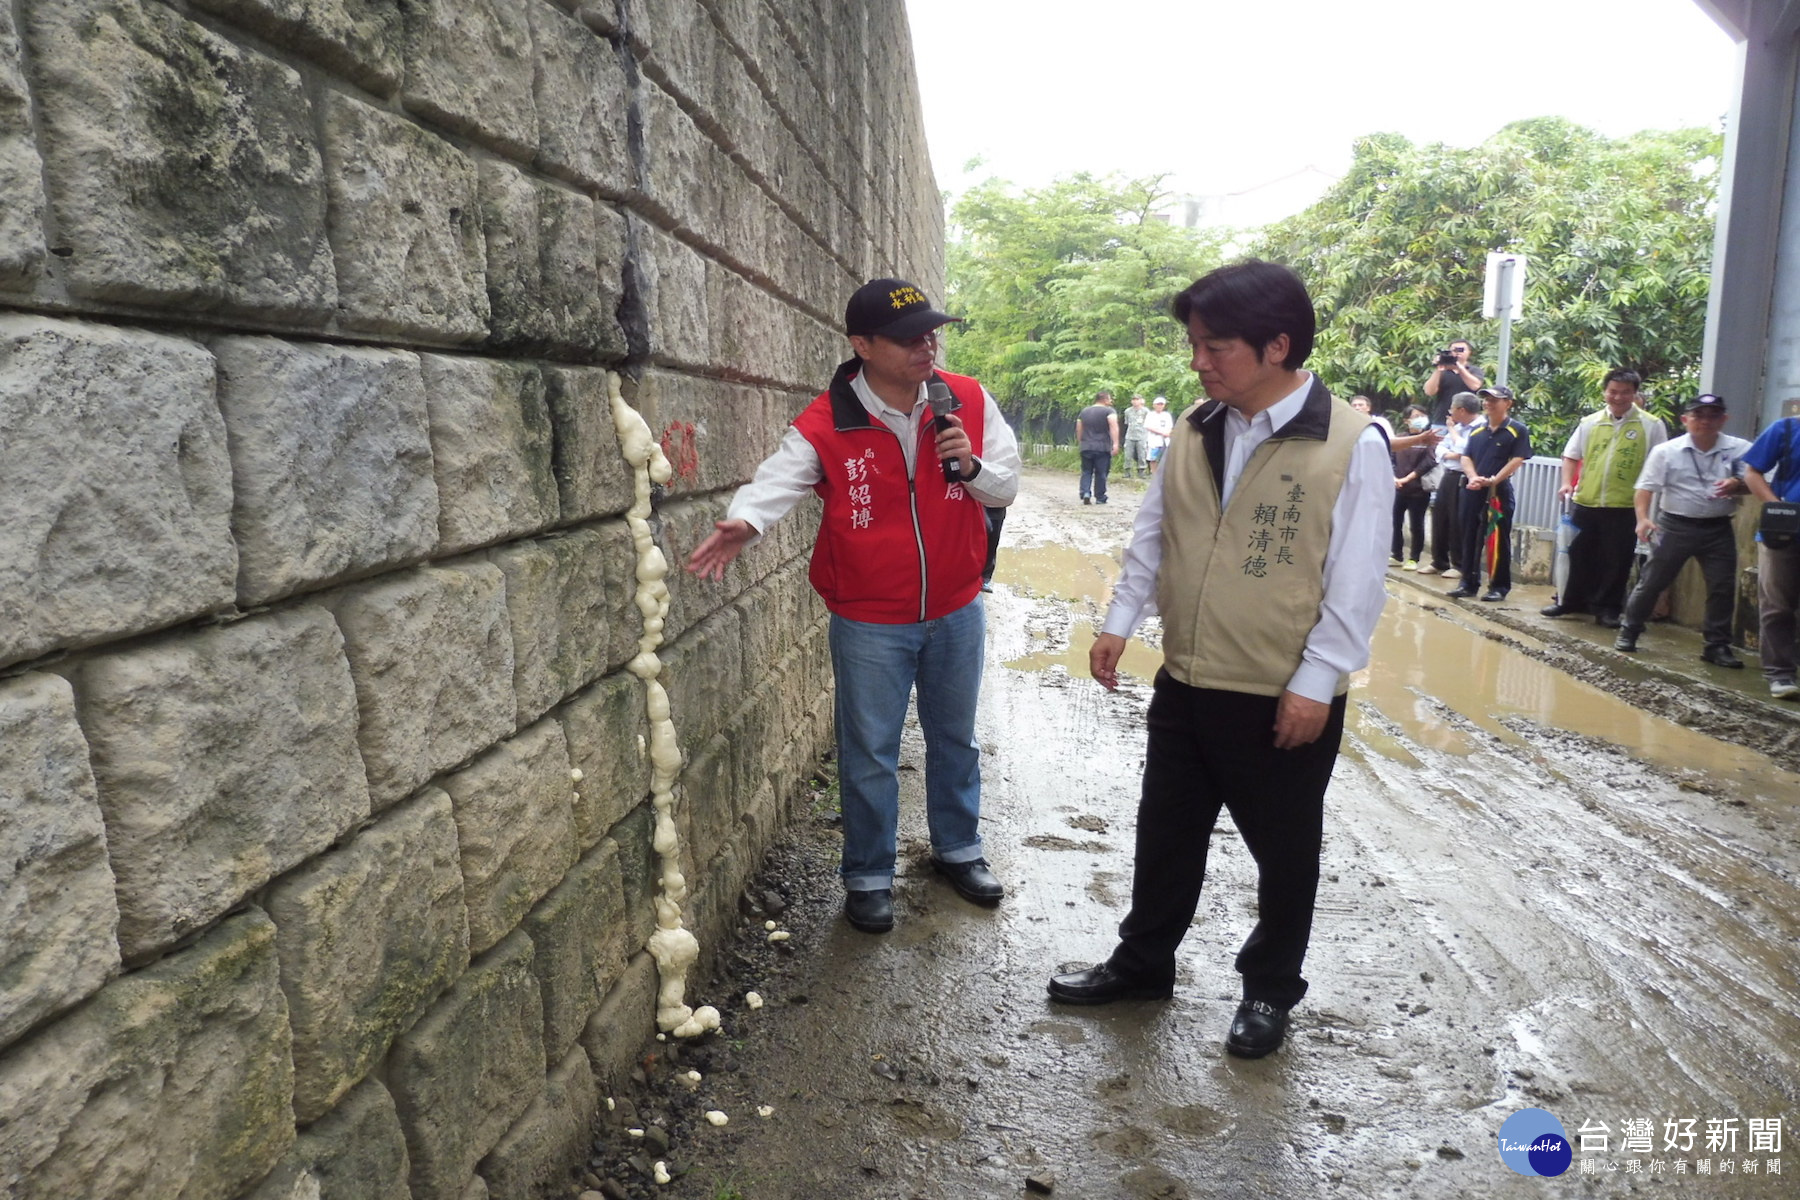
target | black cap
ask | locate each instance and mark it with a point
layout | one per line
(1496, 392)
(892, 308)
(1706, 401)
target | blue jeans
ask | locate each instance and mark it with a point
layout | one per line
(876, 667)
(1095, 464)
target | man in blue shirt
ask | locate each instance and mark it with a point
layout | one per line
(1777, 453)
(1495, 451)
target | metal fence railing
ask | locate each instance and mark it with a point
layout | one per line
(1535, 502)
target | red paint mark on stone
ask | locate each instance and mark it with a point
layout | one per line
(681, 446)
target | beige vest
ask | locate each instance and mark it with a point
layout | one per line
(1239, 590)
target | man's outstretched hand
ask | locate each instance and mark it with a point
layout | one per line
(727, 540)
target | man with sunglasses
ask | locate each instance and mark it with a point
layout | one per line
(898, 562)
(1698, 477)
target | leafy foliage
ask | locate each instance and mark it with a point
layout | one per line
(1618, 238)
(1066, 289)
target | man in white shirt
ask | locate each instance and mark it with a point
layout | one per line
(1157, 427)
(1446, 508)
(1699, 477)
(1263, 539)
(898, 562)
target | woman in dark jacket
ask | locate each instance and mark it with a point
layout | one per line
(1411, 494)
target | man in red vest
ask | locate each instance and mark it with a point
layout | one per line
(898, 562)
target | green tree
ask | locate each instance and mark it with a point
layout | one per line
(1618, 238)
(1066, 290)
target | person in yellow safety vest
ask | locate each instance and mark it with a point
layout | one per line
(1607, 451)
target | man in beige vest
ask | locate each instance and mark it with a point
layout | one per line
(1261, 543)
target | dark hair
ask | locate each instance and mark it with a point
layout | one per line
(1415, 408)
(1621, 375)
(1253, 300)
(1103, 394)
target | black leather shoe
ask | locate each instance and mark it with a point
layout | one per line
(871, 911)
(1461, 593)
(1102, 985)
(974, 880)
(1626, 641)
(1555, 610)
(1494, 596)
(1257, 1029)
(1608, 619)
(1721, 656)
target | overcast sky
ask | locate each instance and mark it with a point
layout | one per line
(1231, 95)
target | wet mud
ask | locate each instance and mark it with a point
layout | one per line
(1539, 890)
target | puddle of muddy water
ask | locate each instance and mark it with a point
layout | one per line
(1425, 667)
(1065, 573)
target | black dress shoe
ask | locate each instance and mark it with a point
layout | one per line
(974, 880)
(870, 911)
(1555, 610)
(1626, 641)
(1494, 596)
(1720, 656)
(1257, 1029)
(1102, 985)
(1461, 593)
(1608, 619)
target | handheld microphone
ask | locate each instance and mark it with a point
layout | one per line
(937, 394)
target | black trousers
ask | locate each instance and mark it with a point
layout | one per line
(1474, 539)
(1599, 558)
(1095, 464)
(1410, 505)
(1446, 527)
(1211, 749)
(1709, 539)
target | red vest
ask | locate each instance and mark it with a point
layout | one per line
(892, 550)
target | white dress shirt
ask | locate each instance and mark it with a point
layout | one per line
(1686, 475)
(1355, 559)
(786, 476)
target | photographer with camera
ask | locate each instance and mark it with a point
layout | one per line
(1450, 374)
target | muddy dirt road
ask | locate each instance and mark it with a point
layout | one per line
(1534, 895)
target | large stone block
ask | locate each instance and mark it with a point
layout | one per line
(570, 601)
(515, 828)
(405, 226)
(579, 935)
(672, 279)
(704, 675)
(171, 1081)
(56, 889)
(465, 1073)
(713, 432)
(681, 49)
(490, 441)
(358, 39)
(126, 524)
(223, 759)
(425, 648)
(753, 333)
(706, 797)
(680, 527)
(607, 732)
(369, 935)
(592, 477)
(353, 1152)
(581, 104)
(535, 1157)
(544, 259)
(616, 1034)
(331, 456)
(680, 180)
(470, 67)
(639, 869)
(21, 173)
(182, 169)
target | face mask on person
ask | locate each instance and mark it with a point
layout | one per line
(1416, 424)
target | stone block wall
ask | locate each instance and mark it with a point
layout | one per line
(325, 862)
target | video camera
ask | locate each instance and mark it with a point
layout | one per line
(1446, 358)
